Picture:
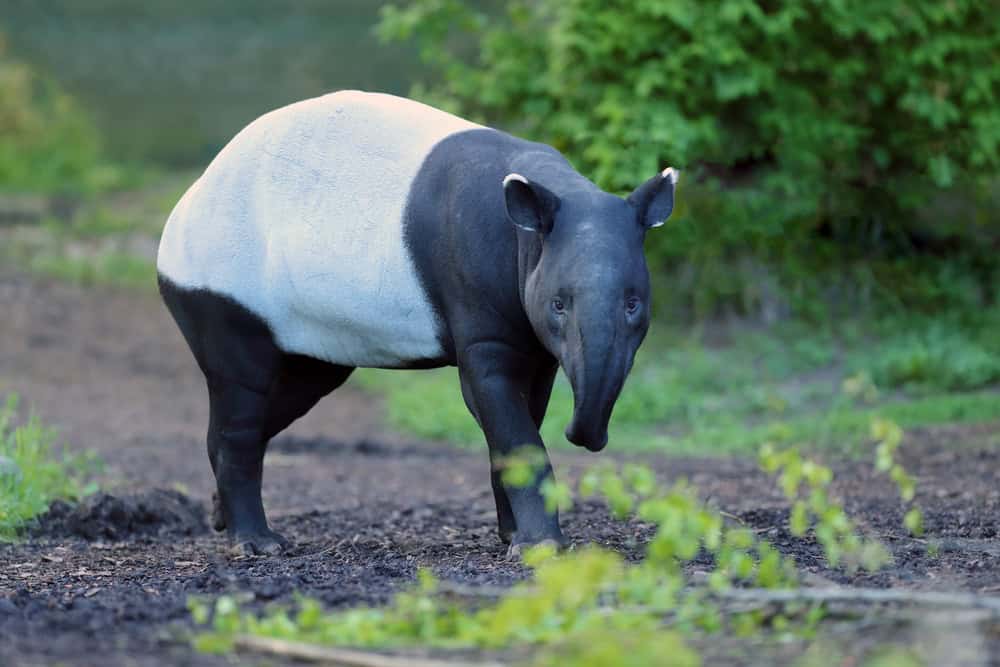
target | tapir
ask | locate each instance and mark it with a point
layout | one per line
(366, 230)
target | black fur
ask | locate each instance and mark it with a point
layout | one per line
(255, 391)
(463, 246)
(474, 257)
(493, 265)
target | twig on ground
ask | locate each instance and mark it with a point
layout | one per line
(734, 518)
(343, 657)
(472, 591)
(813, 595)
(861, 596)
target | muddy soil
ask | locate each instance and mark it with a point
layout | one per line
(106, 582)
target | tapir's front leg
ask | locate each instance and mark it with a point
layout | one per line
(498, 382)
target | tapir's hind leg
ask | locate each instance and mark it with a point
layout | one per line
(242, 422)
(236, 445)
(301, 382)
(255, 391)
(241, 425)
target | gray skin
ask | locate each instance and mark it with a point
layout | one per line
(592, 321)
(528, 266)
(569, 288)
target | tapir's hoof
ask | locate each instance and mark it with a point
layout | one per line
(218, 519)
(261, 544)
(516, 551)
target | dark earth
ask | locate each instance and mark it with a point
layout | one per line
(106, 582)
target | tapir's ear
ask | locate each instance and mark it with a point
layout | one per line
(529, 205)
(655, 198)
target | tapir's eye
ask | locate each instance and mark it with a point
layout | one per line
(558, 307)
(632, 305)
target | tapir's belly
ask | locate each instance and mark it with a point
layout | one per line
(300, 218)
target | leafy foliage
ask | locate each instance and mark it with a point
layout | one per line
(47, 143)
(39, 477)
(611, 646)
(589, 606)
(805, 484)
(816, 134)
(888, 436)
(938, 356)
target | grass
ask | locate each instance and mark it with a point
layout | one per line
(38, 474)
(110, 239)
(88, 256)
(111, 268)
(799, 384)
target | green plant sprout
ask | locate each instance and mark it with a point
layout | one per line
(590, 596)
(888, 436)
(805, 484)
(584, 592)
(37, 475)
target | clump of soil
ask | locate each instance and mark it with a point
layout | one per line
(102, 516)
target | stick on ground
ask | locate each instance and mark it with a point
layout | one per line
(342, 657)
(809, 595)
(862, 596)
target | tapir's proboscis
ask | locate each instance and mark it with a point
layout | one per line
(366, 230)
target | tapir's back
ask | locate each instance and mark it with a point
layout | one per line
(299, 219)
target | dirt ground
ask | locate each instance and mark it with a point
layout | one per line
(105, 583)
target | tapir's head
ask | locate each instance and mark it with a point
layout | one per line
(588, 295)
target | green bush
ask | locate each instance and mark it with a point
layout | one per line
(937, 357)
(47, 143)
(820, 138)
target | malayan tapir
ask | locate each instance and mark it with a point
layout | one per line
(363, 229)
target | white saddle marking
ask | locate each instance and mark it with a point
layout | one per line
(299, 219)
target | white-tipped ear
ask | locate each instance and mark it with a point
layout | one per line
(513, 177)
(671, 174)
(530, 206)
(655, 198)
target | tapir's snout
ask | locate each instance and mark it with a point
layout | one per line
(596, 373)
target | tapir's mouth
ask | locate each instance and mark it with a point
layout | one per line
(590, 434)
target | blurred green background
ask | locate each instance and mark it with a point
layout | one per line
(838, 219)
(172, 82)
